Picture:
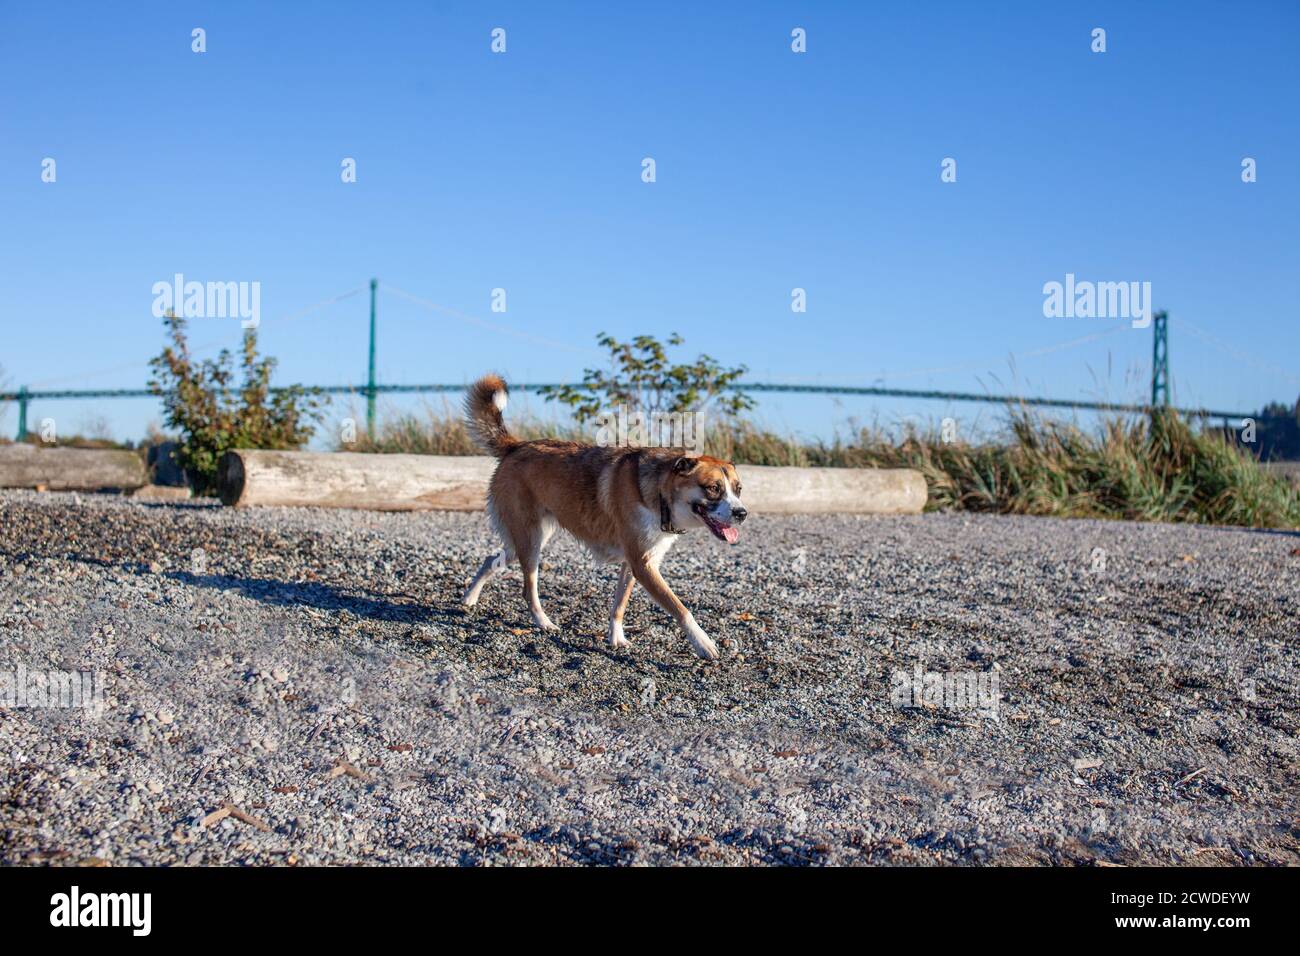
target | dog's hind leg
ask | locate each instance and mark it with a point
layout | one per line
(530, 553)
(622, 592)
(491, 568)
(535, 602)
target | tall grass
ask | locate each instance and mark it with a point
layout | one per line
(1149, 468)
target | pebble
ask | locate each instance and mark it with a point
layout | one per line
(348, 642)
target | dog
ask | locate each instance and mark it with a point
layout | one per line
(627, 505)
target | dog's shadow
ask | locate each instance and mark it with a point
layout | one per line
(576, 638)
(316, 594)
(400, 609)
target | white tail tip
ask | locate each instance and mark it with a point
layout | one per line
(499, 399)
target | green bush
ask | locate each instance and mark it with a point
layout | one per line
(213, 415)
(642, 378)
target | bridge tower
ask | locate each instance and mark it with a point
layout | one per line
(1160, 360)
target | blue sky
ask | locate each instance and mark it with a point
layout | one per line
(775, 170)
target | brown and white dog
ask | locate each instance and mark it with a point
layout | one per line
(627, 505)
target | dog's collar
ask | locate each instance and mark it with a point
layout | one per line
(666, 519)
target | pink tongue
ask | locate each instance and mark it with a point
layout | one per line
(731, 534)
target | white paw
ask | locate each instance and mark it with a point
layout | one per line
(614, 637)
(705, 648)
(545, 623)
(701, 643)
(470, 598)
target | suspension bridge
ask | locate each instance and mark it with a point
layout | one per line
(372, 388)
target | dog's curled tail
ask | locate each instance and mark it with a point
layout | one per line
(484, 403)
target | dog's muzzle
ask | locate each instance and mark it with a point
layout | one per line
(723, 530)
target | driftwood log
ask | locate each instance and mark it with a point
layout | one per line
(455, 483)
(70, 469)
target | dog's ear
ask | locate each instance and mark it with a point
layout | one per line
(684, 466)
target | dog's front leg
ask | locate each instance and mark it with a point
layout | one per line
(649, 577)
(622, 591)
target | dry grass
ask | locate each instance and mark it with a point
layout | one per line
(1150, 468)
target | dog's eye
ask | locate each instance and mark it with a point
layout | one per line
(714, 490)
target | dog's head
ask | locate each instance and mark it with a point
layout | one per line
(706, 491)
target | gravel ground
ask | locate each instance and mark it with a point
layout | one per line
(300, 686)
